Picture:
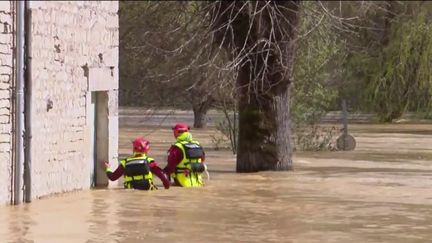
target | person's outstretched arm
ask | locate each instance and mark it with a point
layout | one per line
(112, 176)
(155, 169)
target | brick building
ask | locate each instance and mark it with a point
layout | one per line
(69, 104)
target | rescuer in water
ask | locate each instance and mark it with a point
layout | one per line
(138, 169)
(185, 159)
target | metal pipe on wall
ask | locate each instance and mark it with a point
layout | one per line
(13, 81)
(28, 105)
(19, 103)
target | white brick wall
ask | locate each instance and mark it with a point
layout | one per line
(5, 102)
(65, 37)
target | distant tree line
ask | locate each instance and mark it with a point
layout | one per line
(279, 64)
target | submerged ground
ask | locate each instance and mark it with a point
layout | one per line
(381, 192)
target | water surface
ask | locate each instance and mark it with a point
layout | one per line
(379, 193)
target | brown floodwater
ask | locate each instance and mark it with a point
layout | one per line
(381, 192)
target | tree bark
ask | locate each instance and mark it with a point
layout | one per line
(200, 116)
(388, 17)
(201, 101)
(266, 32)
(264, 134)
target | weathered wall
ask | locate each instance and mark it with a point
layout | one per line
(67, 40)
(6, 60)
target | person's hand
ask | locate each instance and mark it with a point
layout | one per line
(167, 186)
(105, 165)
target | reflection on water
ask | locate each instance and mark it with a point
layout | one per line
(322, 200)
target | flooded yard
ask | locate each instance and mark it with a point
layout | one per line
(381, 192)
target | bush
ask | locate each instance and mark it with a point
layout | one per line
(315, 138)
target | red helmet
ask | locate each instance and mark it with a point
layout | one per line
(140, 145)
(180, 128)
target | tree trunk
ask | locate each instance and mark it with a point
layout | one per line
(262, 38)
(264, 134)
(388, 17)
(200, 116)
(201, 101)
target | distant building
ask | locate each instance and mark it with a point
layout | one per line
(70, 98)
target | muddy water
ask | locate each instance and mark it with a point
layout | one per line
(378, 193)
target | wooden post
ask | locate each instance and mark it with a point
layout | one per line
(345, 141)
(345, 117)
(345, 122)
